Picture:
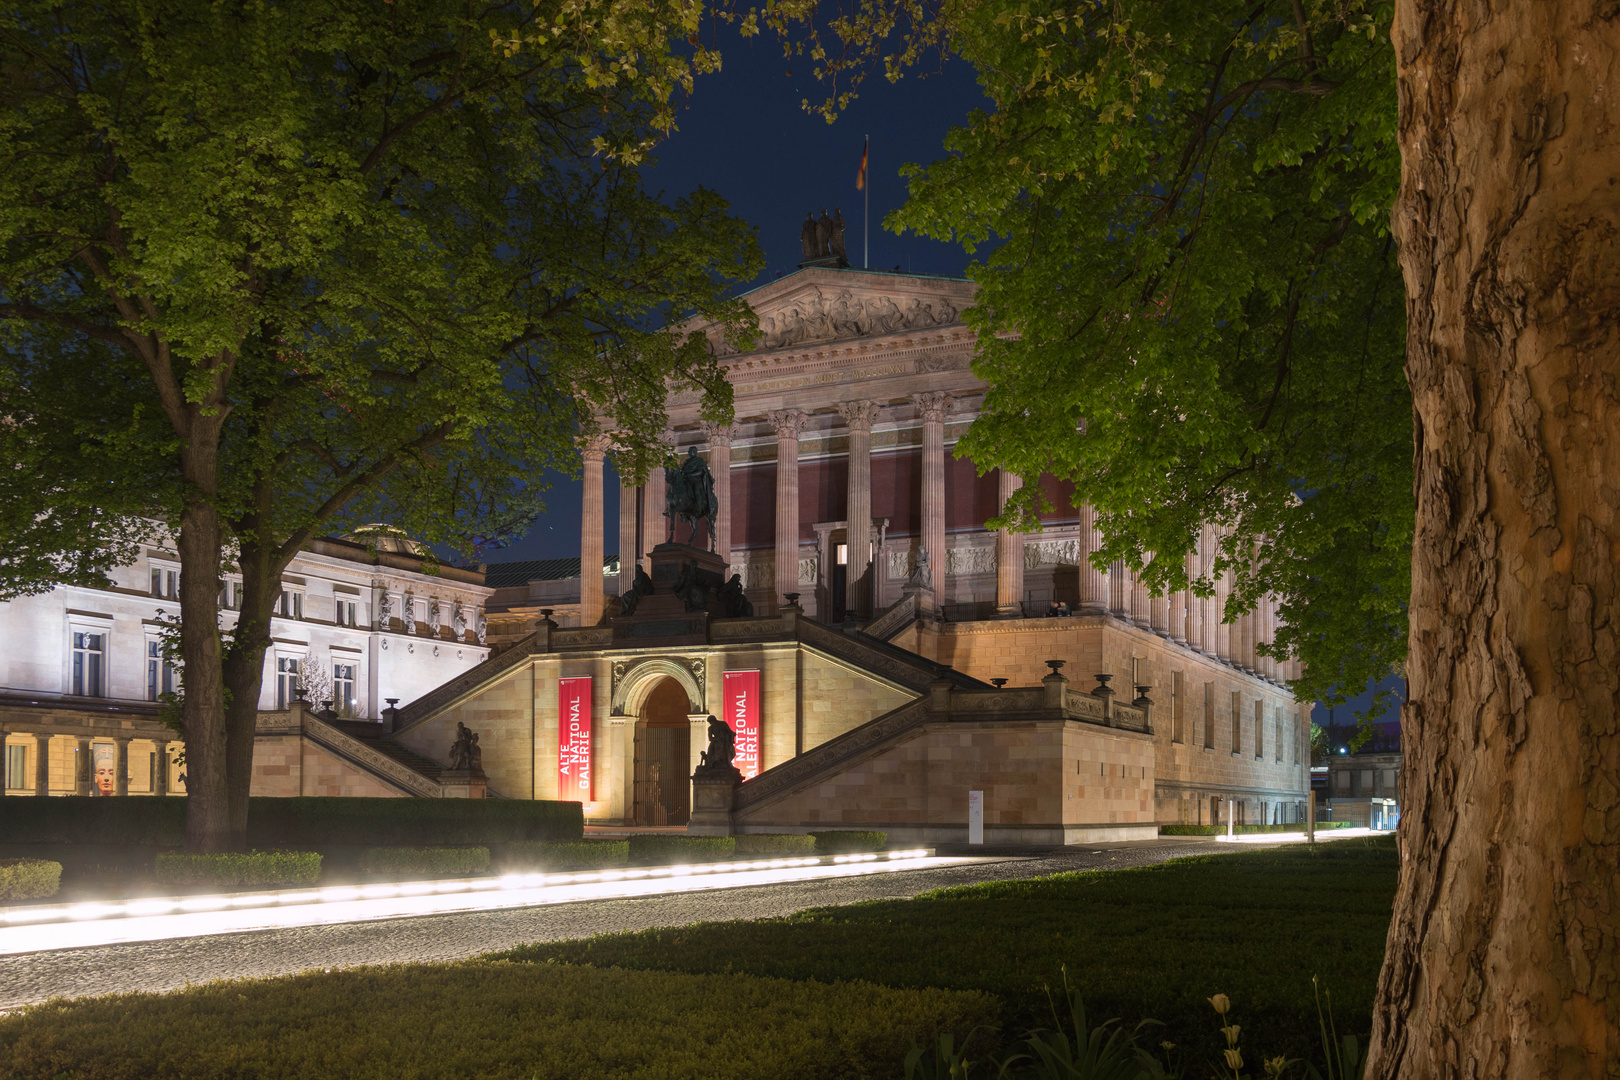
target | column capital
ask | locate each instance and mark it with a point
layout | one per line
(859, 415)
(595, 445)
(719, 434)
(934, 405)
(787, 422)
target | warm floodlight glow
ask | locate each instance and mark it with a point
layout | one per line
(85, 925)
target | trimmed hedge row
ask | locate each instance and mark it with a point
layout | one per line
(235, 868)
(775, 844)
(849, 841)
(496, 1021)
(297, 822)
(427, 861)
(29, 879)
(672, 847)
(565, 854)
(1220, 830)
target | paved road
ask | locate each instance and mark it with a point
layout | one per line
(167, 965)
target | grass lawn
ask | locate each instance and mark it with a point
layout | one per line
(835, 992)
(1152, 942)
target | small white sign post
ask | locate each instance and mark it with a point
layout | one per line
(975, 817)
(1231, 819)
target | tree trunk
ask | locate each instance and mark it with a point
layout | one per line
(202, 713)
(1502, 958)
(244, 677)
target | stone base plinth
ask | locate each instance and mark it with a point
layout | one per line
(460, 784)
(712, 794)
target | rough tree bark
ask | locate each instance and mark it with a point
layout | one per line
(1502, 958)
(202, 714)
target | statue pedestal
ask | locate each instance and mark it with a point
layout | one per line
(712, 792)
(463, 784)
(665, 618)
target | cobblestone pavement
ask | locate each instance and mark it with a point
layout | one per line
(167, 965)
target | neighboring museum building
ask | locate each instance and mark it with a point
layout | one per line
(84, 668)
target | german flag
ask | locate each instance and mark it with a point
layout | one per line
(860, 177)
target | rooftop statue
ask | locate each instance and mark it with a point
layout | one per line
(807, 236)
(835, 246)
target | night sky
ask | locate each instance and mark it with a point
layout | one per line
(745, 136)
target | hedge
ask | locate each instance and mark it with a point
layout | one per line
(775, 844)
(565, 854)
(234, 868)
(674, 848)
(847, 841)
(493, 1020)
(1220, 830)
(426, 861)
(297, 822)
(29, 879)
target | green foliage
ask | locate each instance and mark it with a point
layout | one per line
(1220, 830)
(775, 844)
(1105, 1051)
(29, 879)
(425, 861)
(849, 841)
(565, 854)
(674, 848)
(321, 821)
(297, 822)
(1193, 310)
(1138, 942)
(231, 868)
(1188, 299)
(496, 1021)
(270, 272)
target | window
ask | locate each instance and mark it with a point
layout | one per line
(1277, 742)
(1259, 730)
(292, 604)
(87, 659)
(343, 688)
(286, 680)
(347, 610)
(841, 554)
(159, 672)
(1178, 728)
(1237, 722)
(16, 767)
(165, 583)
(1341, 783)
(230, 596)
(1209, 716)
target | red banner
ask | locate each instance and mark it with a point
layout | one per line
(574, 779)
(742, 713)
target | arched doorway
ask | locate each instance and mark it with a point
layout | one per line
(663, 756)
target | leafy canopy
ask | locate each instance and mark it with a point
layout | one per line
(1188, 297)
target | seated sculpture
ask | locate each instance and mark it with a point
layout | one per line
(722, 749)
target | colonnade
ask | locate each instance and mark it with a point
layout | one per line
(1190, 620)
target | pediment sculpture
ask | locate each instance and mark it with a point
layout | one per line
(811, 317)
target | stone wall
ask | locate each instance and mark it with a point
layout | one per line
(290, 765)
(1044, 782)
(503, 716)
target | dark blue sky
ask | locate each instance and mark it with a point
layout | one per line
(744, 135)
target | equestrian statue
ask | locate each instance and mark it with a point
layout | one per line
(689, 496)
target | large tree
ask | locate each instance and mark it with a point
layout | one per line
(1503, 958)
(333, 257)
(1504, 954)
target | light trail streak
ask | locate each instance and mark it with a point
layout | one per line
(27, 930)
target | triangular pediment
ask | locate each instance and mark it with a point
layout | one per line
(823, 304)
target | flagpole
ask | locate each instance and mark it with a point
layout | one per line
(866, 210)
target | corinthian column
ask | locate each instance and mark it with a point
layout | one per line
(788, 424)
(719, 436)
(1094, 584)
(591, 451)
(654, 525)
(860, 416)
(1009, 554)
(630, 550)
(933, 407)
